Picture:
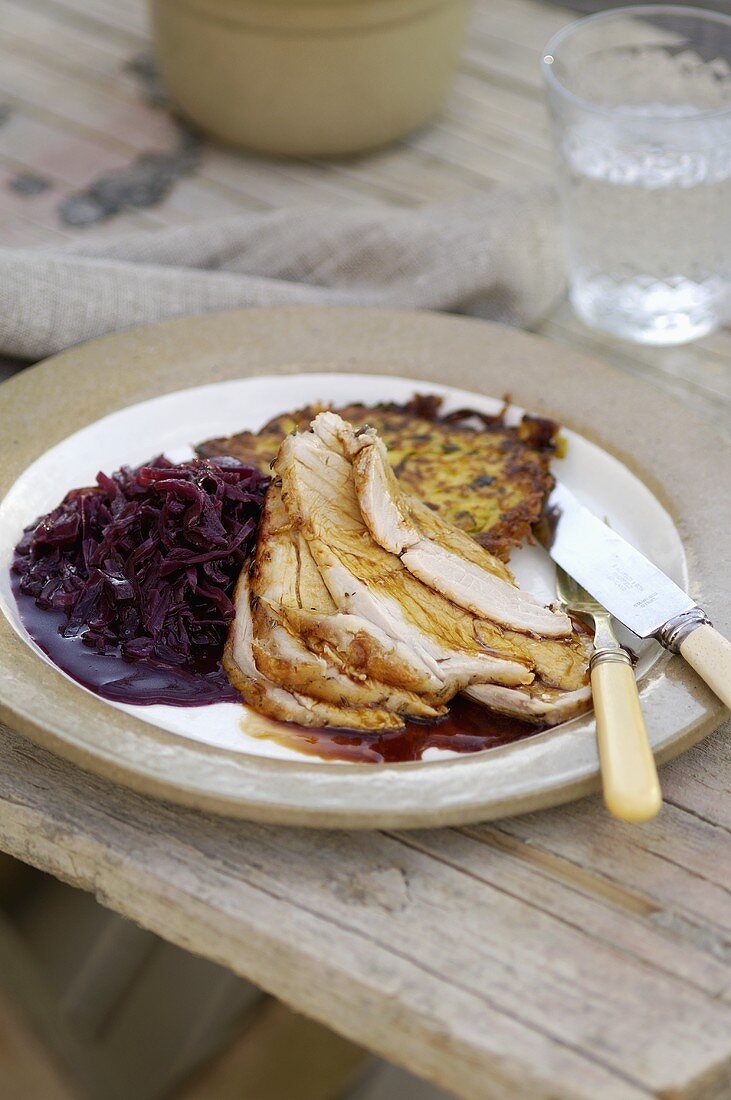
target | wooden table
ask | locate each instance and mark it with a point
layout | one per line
(555, 955)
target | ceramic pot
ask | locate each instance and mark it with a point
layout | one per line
(308, 77)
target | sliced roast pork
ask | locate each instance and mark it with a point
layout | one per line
(363, 606)
(537, 703)
(361, 649)
(284, 576)
(479, 586)
(277, 702)
(558, 662)
(364, 579)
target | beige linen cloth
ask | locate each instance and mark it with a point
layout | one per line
(494, 255)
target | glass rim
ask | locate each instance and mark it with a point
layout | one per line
(702, 15)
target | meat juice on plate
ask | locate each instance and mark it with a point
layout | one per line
(649, 227)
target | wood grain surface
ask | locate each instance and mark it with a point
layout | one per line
(555, 955)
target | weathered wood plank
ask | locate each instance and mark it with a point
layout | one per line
(129, 18)
(76, 47)
(30, 145)
(577, 896)
(705, 788)
(119, 121)
(412, 942)
(221, 889)
(33, 142)
(528, 21)
(680, 862)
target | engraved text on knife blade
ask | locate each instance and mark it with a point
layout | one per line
(620, 577)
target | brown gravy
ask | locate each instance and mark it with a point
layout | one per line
(468, 727)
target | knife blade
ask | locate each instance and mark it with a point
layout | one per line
(618, 576)
(634, 590)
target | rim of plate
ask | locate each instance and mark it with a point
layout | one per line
(63, 393)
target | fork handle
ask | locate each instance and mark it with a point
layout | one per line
(629, 776)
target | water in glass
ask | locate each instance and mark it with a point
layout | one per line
(648, 233)
(641, 108)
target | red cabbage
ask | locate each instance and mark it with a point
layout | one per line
(143, 563)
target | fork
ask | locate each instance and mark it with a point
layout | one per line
(629, 776)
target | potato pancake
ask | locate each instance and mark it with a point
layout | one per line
(486, 477)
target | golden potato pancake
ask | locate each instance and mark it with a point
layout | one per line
(486, 477)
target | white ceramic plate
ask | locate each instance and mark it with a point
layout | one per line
(172, 423)
(203, 758)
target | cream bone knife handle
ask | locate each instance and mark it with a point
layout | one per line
(629, 776)
(708, 652)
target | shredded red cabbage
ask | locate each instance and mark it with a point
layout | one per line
(143, 563)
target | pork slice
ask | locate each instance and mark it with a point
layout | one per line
(284, 574)
(465, 580)
(366, 580)
(482, 593)
(381, 502)
(277, 702)
(360, 648)
(558, 662)
(402, 519)
(286, 659)
(396, 519)
(405, 521)
(537, 703)
(438, 632)
(431, 525)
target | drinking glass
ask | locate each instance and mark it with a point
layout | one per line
(640, 102)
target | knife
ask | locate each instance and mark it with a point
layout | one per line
(636, 592)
